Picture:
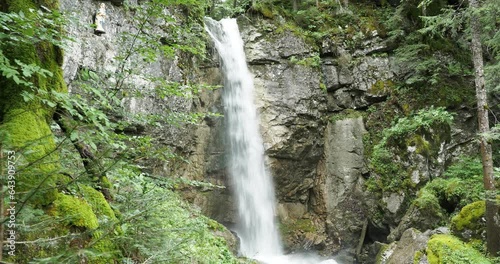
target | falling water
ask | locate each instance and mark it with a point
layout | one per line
(253, 185)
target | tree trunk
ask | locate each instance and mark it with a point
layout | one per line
(491, 214)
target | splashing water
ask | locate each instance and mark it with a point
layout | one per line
(254, 188)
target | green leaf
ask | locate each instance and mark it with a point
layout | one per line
(74, 135)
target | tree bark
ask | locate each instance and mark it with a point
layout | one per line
(492, 209)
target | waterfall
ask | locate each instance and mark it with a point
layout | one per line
(253, 186)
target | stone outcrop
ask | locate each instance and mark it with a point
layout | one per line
(403, 251)
(342, 189)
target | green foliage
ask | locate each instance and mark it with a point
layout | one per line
(266, 8)
(452, 23)
(424, 119)
(465, 168)
(381, 87)
(313, 61)
(433, 54)
(450, 194)
(30, 61)
(428, 202)
(28, 27)
(443, 249)
(224, 9)
(158, 226)
(320, 20)
(424, 130)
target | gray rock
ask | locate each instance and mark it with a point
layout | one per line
(411, 242)
(365, 81)
(343, 182)
(417, 218)
(263, 47)
(331, 77)
(371, 46)
(393, 201)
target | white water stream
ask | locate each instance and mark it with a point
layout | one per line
(254, 188)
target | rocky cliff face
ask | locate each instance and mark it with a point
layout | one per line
(314, 145)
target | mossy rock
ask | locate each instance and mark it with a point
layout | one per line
(346, 114)
(428, 203)
(29, 132)
(97, 201)
(381, 87)
(299, 225)
(75, 211)
(447, 249)
(469, 217)
(102, 241)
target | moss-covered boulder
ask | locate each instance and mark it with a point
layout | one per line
(468, 223)
(75, 211)
(447, 249)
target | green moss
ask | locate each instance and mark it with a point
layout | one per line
(417, 257)
(214, 225)
(97, 201)
(427, 202)
(425, 130)
(444, 196)
(30, 133)
(105, 248)
(105, 183)
(458, 192)
(313, 61)
(381, 87)
(265, 9)
(423, 146)
(27, 122)
(447, 249)
(75, 211)
(384, 251)
(469, 217)
(291, 227)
